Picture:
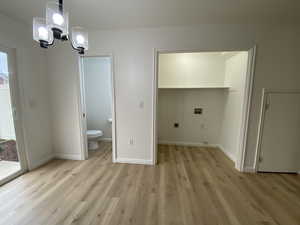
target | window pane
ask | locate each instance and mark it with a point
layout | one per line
(3, 70)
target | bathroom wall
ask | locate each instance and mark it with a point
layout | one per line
(98, 94)
(235, 77)
(177, 106)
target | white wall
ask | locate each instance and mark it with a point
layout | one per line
(63, 75)
(276, 67)
(191, 70)
(33, 89)
(177, 106)
(235, 77)
(98, 97)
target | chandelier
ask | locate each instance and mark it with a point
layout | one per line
(56, 26)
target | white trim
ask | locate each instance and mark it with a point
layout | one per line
(114, 111)
(192, 144)
(231, 156)
(265, 93)
(134, 161)
(193, 87)
(154, 113)
(241, 153)
(11, 177)
(239, 162)
(82, 106)
(249, 169)
(82, 112)
(17, 104)
(70, 156)
(41, 161)
(260, 129)
(281, 91)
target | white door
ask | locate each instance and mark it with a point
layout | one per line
(12, 158)
(280, 140)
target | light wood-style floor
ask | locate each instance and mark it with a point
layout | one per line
(189, 186)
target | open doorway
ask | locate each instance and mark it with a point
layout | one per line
(202, 99)
(97, 95)
(12, 161)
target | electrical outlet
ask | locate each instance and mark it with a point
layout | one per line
(198, 110)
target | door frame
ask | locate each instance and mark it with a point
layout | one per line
(241, 154)
(17, 113)
(263, 106)
(82, 106)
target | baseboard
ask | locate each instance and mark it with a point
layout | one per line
(229, 155)
(106, 139)
(59, 155)
(134, 161)
(192, 144)
(249, 169)
(41, 161)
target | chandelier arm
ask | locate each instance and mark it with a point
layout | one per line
(60, 5)
(79, 50)
(52, 42)
(71, 42)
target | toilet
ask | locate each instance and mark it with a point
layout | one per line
(93, 136)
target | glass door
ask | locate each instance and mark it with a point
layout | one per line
(12, 161)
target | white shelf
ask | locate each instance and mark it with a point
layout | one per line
(194, 87)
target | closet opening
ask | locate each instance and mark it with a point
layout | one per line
(202, 101)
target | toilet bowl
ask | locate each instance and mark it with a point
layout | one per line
(93, 136)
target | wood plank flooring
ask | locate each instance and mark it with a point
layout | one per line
(189, 186)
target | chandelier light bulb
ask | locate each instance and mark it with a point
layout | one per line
(43, 33)
(80, 39)
(58, 19)
(56, 27)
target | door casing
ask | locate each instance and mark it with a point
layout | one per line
(17, 113)
(241, 154)
(82, 107)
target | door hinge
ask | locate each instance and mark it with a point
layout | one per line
(260, 159)
(267, 105)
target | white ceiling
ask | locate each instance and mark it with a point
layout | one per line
(152, 13)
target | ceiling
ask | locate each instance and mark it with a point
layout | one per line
(107, 14)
